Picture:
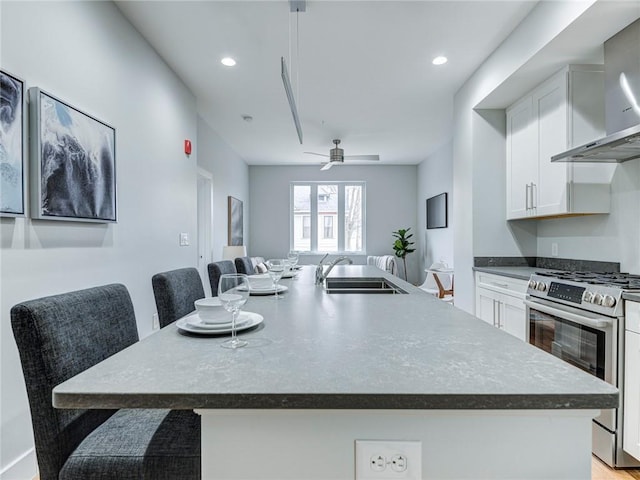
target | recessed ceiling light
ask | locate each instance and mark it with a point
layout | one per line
(228, 62)
(439, 60)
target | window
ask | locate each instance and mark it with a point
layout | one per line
(306, 227)
(328, 217)
(328, 226)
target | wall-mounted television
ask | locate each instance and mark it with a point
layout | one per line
(437, 211)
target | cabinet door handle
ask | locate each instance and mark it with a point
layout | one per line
(496, 321)
(526, 197)
(534, 187)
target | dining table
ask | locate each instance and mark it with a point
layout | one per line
(323, 371)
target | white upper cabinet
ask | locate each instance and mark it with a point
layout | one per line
(565, 111)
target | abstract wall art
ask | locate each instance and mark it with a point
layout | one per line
(73, 162)
(235, 222)
(12, 146)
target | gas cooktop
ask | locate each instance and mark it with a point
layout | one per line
(624, 281)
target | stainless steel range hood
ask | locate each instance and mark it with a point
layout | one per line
(622, 104)
(616, 148)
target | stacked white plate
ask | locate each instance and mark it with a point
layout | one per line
(194, 324)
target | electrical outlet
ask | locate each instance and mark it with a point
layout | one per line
(387, 460)
(155, 322)
(554, 249)
(184, 239)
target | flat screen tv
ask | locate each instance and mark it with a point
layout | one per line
(437, 211)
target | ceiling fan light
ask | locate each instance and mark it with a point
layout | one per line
(440, 60)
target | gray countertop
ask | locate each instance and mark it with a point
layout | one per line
(633, 296)
(522, 273)
(340, 351)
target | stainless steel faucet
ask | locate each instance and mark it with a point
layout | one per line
(321, 274)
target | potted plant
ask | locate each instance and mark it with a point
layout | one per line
(402, 246)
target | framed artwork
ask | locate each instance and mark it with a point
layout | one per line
(12, 146)
(73, 162)
(235, 222)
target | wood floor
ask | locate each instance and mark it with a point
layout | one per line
(599, 471)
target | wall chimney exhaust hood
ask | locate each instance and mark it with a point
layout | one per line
(622, 103)
(616, 148)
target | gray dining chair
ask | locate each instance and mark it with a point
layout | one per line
(62, 335)
(244, 265)
(216, 270)
(175, 291)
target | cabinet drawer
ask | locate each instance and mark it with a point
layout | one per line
(501, 284)
(632, 316)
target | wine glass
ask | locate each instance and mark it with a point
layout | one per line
(276, 267)
(293, 258)
(233, 292)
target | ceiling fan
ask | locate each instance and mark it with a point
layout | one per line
(337, 157)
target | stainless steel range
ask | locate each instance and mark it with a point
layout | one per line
(579, 317)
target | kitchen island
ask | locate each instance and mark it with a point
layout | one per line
(324, 370)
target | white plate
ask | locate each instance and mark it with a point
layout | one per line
(194, 320)
(290, 274)
(246, 320)
(268, 291)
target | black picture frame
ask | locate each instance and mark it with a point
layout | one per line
(13, 146)
(437, 211)
(73, 162)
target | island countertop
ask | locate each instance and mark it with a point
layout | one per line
(316, 350)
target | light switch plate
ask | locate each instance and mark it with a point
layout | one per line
(184, 239)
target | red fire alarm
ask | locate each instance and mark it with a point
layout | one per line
(187, 147)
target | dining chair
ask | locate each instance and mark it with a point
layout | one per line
(175, 291)
(62, 335)
(244, 265)
(438, 284)
(215, 270)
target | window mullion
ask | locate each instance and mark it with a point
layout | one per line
(314, 217)
(341, 219)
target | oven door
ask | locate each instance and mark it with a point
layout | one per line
(583, 339)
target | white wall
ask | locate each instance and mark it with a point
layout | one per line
(435, 176)
(614, 237)
(391, 204)
(87, 54)
(230, 177)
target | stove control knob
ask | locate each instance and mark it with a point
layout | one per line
(533, 284)
(542, 286)
(608, 301)
(597, 299)
(587, 296)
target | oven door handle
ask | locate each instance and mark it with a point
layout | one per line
(596, 322)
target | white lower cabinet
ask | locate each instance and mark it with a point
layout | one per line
(499, 302)
(631, 427)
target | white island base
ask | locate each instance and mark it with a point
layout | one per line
(456, 444)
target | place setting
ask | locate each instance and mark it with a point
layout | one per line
(212, 314)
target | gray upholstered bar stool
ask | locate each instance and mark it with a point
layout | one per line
(217, 269)
(60, 336)
(175, 291)
(244, 265)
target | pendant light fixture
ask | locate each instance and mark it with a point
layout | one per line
(296, 6)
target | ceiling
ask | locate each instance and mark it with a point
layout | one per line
(362, 70)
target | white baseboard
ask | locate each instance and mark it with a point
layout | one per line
(25, 467)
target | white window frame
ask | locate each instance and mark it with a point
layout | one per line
(341, 216)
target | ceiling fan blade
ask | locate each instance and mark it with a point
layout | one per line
(327, 166)
(319, 154)
(362, 157)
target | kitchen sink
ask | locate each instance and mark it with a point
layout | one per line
(361, 285)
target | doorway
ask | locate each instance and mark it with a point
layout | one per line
(205, 225)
